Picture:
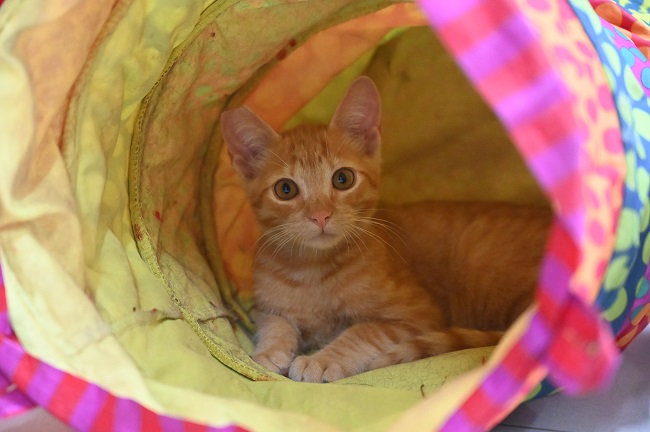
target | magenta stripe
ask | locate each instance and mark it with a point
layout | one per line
(440, 13)
(555, 278)
(46, 378)
(550, 165)
(10, 356)
(502, 387)
(497, 48)
(14, 403)
(44, 383)
(88, 407)
(538, 336)
(528, 102)
(128, 415)
(575, 223)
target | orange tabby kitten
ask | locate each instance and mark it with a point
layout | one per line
(353, 289)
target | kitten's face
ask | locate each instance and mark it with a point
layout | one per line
(314, 188)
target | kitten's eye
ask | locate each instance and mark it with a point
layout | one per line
(343, 178)
(285, 189)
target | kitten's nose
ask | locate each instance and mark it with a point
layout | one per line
(321, 217)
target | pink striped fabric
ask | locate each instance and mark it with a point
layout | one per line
(496, 46)
(12, 400)
(28, 382)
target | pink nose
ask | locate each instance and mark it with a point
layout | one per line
(321, 217)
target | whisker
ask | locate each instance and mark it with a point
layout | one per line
(352, 234)
(293, 243)
(386, 228)
(360, 238)
(383, 221)
(379, 239)
(356, 242)
(270, 233)
(272, 239)
(278, 227)
(281, 245)
(273, 235)
(383, 224)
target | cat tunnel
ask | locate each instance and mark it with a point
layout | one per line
(126, 242)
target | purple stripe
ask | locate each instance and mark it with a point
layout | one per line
(14, 403)
(501, 386)
(44, 383)
(440, 13)
(537, 336)
(10, 355)
(496, 48)
(555, 277)
(128, 415)
(88, 407)
(550, 165)
(528, 102)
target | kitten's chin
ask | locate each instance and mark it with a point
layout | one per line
(324, 241)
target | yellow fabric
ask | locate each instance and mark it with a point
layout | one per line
(40, 226)
(123, 226)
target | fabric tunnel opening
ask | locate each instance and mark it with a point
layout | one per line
(123, 196)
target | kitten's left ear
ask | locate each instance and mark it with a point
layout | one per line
(359, 114)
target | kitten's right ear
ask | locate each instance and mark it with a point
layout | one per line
(247, 136)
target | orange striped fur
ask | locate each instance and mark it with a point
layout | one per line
(342, 288)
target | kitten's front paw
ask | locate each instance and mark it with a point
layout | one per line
(316, 369)
(275, 361)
